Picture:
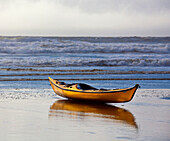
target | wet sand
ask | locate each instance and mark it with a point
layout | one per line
(38, 114)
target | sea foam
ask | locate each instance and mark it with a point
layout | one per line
(84, 51)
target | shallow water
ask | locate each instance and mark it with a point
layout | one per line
(38, 114)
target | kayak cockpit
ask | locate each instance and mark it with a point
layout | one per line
(79, 86)
(83, 86)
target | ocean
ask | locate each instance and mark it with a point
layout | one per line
(115, 61)
(30, 110)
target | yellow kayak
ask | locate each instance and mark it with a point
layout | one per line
(80, 91)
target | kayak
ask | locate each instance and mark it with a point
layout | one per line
(81, 91)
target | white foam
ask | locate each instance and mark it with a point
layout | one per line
(80, 61)
(45, 45)
(86, 53)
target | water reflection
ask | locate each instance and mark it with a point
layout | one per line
(83, 109)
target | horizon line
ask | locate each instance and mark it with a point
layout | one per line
(90, 36)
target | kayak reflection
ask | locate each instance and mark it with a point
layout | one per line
(81, 108)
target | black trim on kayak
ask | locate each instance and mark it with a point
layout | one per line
(136, 86)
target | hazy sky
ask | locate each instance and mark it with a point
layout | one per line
(85, 17)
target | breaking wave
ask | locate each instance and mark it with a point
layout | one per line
(37, 45)
(84, 51)
(83, 62)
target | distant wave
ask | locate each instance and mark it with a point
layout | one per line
(83, 62)
(37, 48)
(37, 45)
(88, 39)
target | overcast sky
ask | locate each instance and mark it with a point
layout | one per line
(85, 17)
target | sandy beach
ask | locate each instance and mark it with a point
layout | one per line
(38, 114)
